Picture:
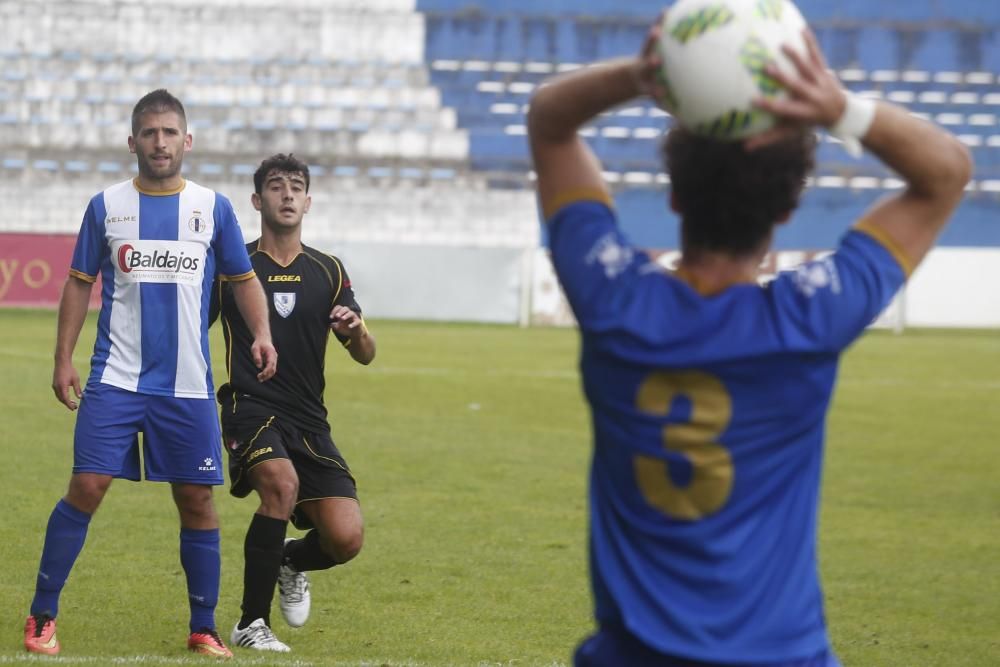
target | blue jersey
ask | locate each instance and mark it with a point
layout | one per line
(708, 419)
(157, 255)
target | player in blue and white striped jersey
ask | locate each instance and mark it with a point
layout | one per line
(157, 242)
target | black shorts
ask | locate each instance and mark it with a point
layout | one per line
(252, 435)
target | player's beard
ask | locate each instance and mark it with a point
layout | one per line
(155, 173)
(278, 226)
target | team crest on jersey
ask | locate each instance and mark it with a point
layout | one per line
(284, 303)
(817, 275)
(197, 223)
(610, 254)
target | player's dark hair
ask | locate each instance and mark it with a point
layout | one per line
(729, 198)
(158, 101)
(281, 163)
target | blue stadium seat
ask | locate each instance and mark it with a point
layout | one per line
(537, 39)
(877, 48)
(990, 51)
(442, 174)
(495, 150)
(566, 48)
(508, 39)
(935, 51)
(646, 218)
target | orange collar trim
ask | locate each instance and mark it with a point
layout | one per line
(158, 193)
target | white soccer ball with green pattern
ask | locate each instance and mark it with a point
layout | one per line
(714, 53)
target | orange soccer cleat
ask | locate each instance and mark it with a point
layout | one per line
(40, 635)
(208, 642)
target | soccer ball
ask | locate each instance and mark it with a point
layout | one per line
(714, 53)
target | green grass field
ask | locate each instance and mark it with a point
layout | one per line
(470, 444)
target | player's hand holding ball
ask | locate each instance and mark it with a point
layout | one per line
(814, 97)
(719, 56)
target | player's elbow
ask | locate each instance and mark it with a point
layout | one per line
(542, 118)
(534, 120)
(955, 168)
(964, 165)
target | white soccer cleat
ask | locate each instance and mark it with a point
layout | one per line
(293, 594)
(258, 637)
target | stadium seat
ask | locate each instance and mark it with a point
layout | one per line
(357, 87)
(990, 51)
(878, 48)
(938, 50)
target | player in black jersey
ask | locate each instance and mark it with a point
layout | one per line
(277, 433)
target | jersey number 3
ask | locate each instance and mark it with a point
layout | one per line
(711, 478)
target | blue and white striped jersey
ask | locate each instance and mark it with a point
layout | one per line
(157, 254)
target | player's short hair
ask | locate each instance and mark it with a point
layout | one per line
(280, 163)
(157, 101)
(729, 199)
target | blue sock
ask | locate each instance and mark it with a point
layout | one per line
(64, 539)
(202, 566)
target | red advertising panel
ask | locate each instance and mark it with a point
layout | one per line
(33, 268)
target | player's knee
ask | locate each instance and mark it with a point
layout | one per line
(194, 503)
(344, 544)
(86, 491)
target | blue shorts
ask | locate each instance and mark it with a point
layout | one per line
(181, 441)
(613, 646)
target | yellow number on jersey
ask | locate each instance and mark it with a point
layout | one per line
(712, 467)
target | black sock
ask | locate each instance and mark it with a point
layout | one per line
(262, 552)
(305, 554)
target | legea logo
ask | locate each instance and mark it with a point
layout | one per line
(161, 261)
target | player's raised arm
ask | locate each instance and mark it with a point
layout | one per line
(936, 167)
(72, 313)
(252, 302)
(564, 164)
(933, 163)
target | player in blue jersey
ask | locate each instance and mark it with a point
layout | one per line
(157, 242)
(277, 434)
(708, 391)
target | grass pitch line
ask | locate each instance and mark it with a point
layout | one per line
(445, 372)
(31, 659)
(238, 659)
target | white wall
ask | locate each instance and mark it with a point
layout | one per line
(955, 287)
(439, 283)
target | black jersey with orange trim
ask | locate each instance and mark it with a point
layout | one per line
(300, 297)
